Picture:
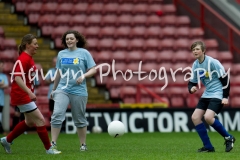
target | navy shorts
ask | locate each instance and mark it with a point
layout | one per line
(213, 104)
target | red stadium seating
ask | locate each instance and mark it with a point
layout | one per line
(64, 8)
(121, 44)
(182, 44)
(95, 8)
(150, 56)
(152, 44)
(136, 44)
(49, 8)
(33, 8)
(167, 44)
(153, 20)
(47, 30)
(109, 20)
(92, 31)
(153, 8)
(9, 43)
(169, 9)
(93, 19)
(124, 19)
(107, 32)
(140, 9)
(47, 19)
(177, 102)
(110, 8)
(58, 43)
(93, 43)
(192, 101)
(128, 94)
(105, 57)
(134, 57)
(58, 31)
(106, 44)
(182, 21)
(33, 18)
(128, 32)
(8, 66)
(62, 20)
(42, 91)
(153, 32)
(137, 32)
(235, 70)
(196, 33)
(225, 57)
(9, 55)
(120, 56)
(122, 32)
(181, 56)
(211, 44)
(235, 91)
(125, 8)
(77, 20)
(20, 6)
(182, 32)
(168, 32)
(115, 86)
(165, 56)
(234, 102)
(79, 8)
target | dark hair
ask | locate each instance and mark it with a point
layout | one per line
(27, 39)
(202, 44)
(82, 43)
(1, 61)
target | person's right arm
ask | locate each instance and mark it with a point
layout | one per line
(193, 82)
(24, 87)
(192, 87)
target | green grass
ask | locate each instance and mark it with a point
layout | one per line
(142, 146)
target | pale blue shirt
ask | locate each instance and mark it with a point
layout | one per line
(52, 72)
(72, 62)
(4, 78)
(214, 68)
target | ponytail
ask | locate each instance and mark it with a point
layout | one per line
(20, 49)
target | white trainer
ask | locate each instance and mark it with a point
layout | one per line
(6, 145)
(83, 147)
(52, 150)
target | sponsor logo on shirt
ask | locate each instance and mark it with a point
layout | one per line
(70, 61)
(206, 75)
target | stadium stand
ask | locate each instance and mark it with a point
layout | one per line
(129, 32)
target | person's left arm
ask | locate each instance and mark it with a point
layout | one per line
(226, 88)
(90, 64)
(224, 79)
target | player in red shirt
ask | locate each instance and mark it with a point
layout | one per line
(22, 96)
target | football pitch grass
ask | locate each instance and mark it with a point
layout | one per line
(131, 146)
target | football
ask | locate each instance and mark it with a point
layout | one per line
(116, 129)
(96, 129)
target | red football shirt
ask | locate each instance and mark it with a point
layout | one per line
(18, 96)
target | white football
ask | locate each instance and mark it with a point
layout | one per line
(96, 129)
(116, 129)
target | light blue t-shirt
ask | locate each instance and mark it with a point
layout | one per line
(73, 62)
(52, 72)
(215, 70)
(4, 78)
